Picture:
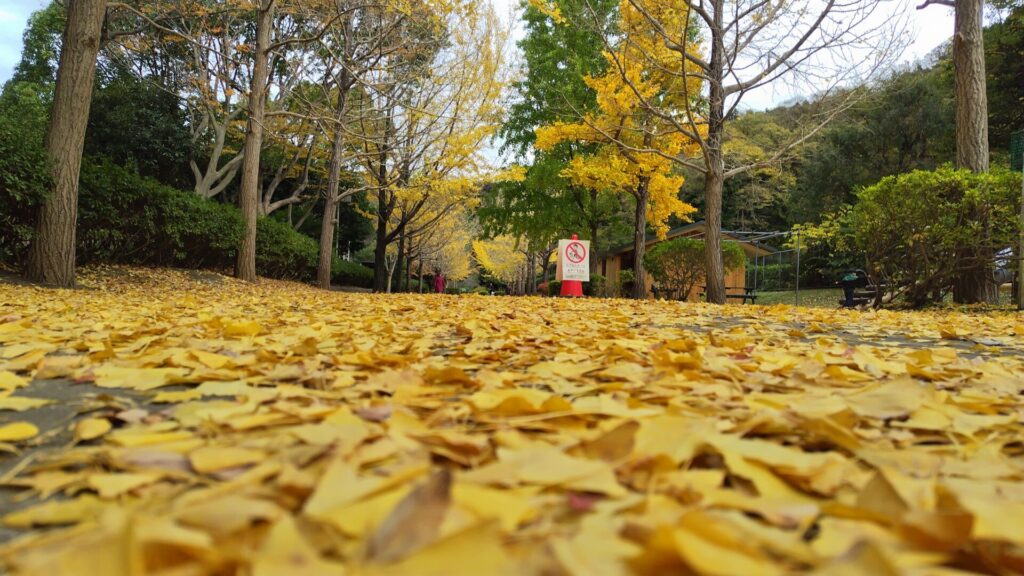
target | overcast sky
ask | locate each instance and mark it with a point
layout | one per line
(931, 28)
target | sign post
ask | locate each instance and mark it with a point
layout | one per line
(573, 265)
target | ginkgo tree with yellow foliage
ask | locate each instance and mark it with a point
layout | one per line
(502, 258)
(635, 146)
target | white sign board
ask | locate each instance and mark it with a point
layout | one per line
(574, 260)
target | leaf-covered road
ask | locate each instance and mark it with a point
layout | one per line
(274, 429)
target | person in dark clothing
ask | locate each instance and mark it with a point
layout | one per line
(852, 280)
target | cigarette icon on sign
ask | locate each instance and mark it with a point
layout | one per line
(576, 252)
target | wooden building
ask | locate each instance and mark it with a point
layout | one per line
(615, 261)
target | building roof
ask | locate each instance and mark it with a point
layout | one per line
(751, 247)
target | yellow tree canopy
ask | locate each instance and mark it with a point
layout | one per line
(637, 145)
(500, 257)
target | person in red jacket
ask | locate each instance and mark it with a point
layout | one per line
(439, 282)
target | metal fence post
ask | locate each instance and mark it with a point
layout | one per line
(798, 267)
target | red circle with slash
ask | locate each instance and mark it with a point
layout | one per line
(576, 252)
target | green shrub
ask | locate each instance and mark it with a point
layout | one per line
(126, 218)
(596, 286)
(283, 253)
(554, 288)
(923, 230)
(481, 290)
(347, 273)
(677, 265)
(24, 168)
(627, 278)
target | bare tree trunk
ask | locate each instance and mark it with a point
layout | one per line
(531, 273)
(249, 194)
(715, 175)
(380, 248)
(408, 268)
(715, 268)
(323, 271)
(975, 283)
(327, 227)
(640, 239)
(400, 257)
(421, 275)
(51, 258)
(390, 269)
(969, 85)
(594, 225)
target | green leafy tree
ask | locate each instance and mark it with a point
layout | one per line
(545, 206)
(136, 122)
(24, 167)
(1004, 61)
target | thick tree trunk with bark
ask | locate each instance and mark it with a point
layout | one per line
(975, 283)
(327, 227)
(969, 85)
(51, 258)
(380, 249)
(531, 273)
(327, 232)
(714, 178)
(714, 267)
(643, 195)
(248, 199)
(399, 258)
(594, 228)
(408, 269)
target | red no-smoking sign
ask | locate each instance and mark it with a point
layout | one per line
(574, 260)
(576, 252)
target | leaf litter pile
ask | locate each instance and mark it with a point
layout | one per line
(276, 429)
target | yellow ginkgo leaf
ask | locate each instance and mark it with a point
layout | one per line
(91, 429)
(214, 458)
(16, 431)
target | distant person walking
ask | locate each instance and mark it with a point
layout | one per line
(439, 282)
(852, 280)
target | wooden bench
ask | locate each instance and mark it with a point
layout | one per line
(748, 294)
(865, 296)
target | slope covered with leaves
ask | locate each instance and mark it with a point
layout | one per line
(280, 430)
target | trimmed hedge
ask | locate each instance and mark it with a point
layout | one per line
(347, 273)
(129, 219)
(126, 218)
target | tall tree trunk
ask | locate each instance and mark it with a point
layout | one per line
(715, 175)
(399, 258)
(421, 274)
(327, 232)
(975, 283)
(531, 273)
(327, 227)
(640, 239)
(594, 225)
(249, 194)
(380, 249)
(51, 258)
(408, 268)
(969, 85)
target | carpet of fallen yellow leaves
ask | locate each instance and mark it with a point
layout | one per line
(283, 430)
